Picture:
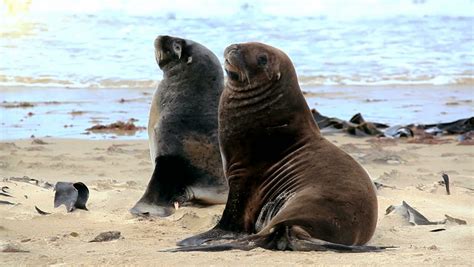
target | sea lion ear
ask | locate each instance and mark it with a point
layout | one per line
(278, 76)
(177, 49)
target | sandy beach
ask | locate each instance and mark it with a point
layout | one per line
(117, 171)
(70, 69)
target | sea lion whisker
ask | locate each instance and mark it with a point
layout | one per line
(268, 74)
(248, 78)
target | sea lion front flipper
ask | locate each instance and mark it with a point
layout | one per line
(167, 185)
(214, 234)
(144, 208)
(245, 245)
(210, 195)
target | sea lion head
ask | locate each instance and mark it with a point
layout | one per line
(250, 65)
(171, 51)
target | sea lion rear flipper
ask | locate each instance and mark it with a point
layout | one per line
(297, 239)
(277, 240)
(319, 245)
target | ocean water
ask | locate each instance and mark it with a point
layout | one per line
(102, 43)
(396, 61)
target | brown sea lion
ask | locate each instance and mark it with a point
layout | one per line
(182, 129)
(289, 187)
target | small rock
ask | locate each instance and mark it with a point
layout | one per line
(107, 236)
(74, 234)
(37, 141)
(455, 220)
(8, 247)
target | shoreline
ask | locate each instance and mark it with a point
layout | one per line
(68, 112)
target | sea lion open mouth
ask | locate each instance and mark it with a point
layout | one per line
(158, 56)
(232, 75)
(233, 64)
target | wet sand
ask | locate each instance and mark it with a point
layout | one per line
(68, 112)
(117, 172)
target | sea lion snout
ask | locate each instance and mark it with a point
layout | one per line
(168, 49)
(253, 64)
(233, 48)
(157, 42)
(233, 62)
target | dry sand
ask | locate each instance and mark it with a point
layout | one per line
(117, 173)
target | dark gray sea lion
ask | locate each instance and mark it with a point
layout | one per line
(182, 129)
(289, 188)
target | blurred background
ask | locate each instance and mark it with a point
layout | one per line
(364, 42)
(368, 49)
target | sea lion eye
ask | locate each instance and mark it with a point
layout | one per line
(177, 49)
(262, 60)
